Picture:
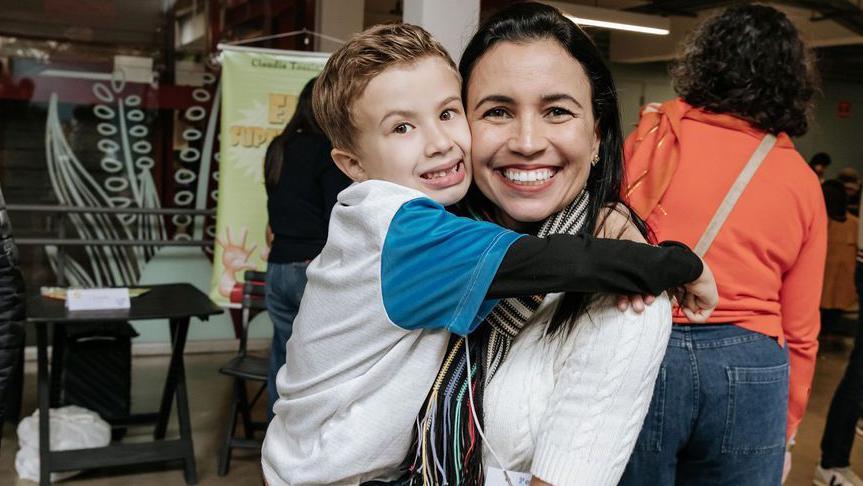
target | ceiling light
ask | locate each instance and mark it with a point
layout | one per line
(614, 19)
(617, 26)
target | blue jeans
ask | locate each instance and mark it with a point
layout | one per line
(285, 285)
(718, 412)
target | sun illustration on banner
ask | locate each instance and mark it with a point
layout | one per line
(248, 141)
(235, 259)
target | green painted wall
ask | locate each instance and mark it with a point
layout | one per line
(182, 264)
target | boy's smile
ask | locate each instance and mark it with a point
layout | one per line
(412, 131)
(446, 176)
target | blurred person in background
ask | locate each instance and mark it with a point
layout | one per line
(834, 468)
(838, 295)
(732, 392)
(302, 183)
(850, 179)
(819, 163)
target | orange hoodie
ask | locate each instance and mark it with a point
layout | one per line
(768, 258)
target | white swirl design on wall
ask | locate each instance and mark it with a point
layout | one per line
(128, 162)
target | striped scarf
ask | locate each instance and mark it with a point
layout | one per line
(448, 446)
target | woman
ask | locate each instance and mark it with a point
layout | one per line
(719, 409)
(838, 294)
(302, 184)
(563, 382)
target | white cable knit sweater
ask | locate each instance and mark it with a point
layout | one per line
(569, 410)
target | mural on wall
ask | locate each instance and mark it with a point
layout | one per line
(126, 178)
(196, 176)
(245, 107)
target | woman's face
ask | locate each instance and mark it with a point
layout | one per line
(530, 115)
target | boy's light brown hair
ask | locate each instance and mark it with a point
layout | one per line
(350, 69)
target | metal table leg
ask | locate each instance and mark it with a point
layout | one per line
(168, 390)
(183, 416)
(175, 385)
(44, 398)
(58, 350)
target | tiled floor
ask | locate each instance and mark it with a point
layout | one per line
(210, 392)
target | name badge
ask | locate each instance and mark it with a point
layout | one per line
(97, 299)
(498, 477)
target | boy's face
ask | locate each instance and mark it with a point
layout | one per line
(412, 130)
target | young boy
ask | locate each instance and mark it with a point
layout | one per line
(399, 273)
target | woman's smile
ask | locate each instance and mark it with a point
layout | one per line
(531, 178)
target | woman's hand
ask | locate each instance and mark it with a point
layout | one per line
(698, 298)
(535, 481)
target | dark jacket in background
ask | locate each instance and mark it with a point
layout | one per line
(11, 307)
(299, 205)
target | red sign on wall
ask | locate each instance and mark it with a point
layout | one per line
(843, 109)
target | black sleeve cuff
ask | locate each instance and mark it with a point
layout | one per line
(696, 265)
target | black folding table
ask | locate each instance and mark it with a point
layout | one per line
(175, 302)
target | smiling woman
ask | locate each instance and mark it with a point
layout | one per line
(535, 129)
(562, 381)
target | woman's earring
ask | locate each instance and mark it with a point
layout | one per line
(594, 160)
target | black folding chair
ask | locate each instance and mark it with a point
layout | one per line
(245, 367)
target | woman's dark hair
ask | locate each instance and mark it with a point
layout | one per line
(750, 62)
(528, 22)
(836, 199)
(303, 121)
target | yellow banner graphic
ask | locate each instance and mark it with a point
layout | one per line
(259, 95)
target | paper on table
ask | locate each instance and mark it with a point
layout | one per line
(59, 293)
(97, 299)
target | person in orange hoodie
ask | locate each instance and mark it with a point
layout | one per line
(732, 392)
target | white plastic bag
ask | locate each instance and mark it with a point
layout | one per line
(72, 427)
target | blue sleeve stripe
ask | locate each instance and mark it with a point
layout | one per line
(436, 268)
(471, 311)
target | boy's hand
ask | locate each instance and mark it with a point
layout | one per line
(636, 302)
(698, 298)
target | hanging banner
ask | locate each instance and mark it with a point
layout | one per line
(259, 93)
